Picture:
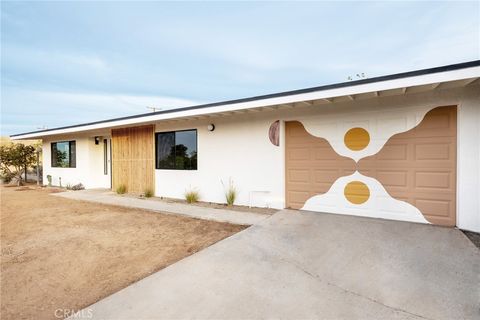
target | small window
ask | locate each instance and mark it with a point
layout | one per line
(176, 150)
(64, 154)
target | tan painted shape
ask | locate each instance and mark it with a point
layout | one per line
(356, 139)
(419, 166)
(357, 192)
(133, 158)
(312, 166)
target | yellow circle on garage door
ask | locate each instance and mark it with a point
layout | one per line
(356, 139)
(357, 192)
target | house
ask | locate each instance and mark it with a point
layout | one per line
(404, 147)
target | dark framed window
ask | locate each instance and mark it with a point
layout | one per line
(176, 150)
(64, 154)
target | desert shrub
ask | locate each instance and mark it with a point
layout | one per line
(121, 189)
(230, 192)
(148, 193)
(7, 177)
(15, 159)
(192, 196)
(78, 186)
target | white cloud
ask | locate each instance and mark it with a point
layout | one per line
(50, 61)
(55, 58)
(22, 109)
(377, 46)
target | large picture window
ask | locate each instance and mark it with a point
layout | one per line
(176, 150)
(64, 154)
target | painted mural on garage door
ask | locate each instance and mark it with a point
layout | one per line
(393, 166)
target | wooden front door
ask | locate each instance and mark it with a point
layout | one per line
(133, 158)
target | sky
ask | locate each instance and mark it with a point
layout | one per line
(65, 63)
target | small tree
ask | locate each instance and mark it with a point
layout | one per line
(15, 160)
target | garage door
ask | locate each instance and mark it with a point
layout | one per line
(417, 166)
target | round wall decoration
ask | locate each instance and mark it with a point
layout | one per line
(357, 192)
(356, 139)
(274, 133)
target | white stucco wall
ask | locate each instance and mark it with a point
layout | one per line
(468, 163)
(239, 148)
(89, 168)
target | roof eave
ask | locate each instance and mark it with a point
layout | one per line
(468, 71)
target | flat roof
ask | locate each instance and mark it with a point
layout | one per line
(348, 84)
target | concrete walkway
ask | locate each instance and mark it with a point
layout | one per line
(303, 265)
(106, 196)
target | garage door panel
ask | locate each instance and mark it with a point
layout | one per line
(298, 198)
(396, 151)
(439, 121)
(326, 175)
(439, 124)
(298, 175)
(434, 207)
(393, 178)
(300, 153)
(324, 153)
(313, 188)
(300, 186)
(433, 179)
(433, 151)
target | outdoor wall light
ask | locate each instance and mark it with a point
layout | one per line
(211, 127)
(97, 140)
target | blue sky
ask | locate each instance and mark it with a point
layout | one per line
(71, 62)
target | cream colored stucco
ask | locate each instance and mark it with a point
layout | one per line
(240, 149)
(89, 168)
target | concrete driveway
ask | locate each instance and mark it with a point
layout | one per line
(309, 265)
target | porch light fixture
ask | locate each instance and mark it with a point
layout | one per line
(211, 127)
(97, 140)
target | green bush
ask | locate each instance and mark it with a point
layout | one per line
(77, 187)
(121, 189)
(49, 178)
(148, 193)
(7, 177)
(15, 159)
(192, 196)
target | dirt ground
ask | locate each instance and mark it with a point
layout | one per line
(59, 255)
(267, 211)
(473, 236)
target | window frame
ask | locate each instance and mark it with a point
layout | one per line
(69, 154)
(175, 143)
(105, 157)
